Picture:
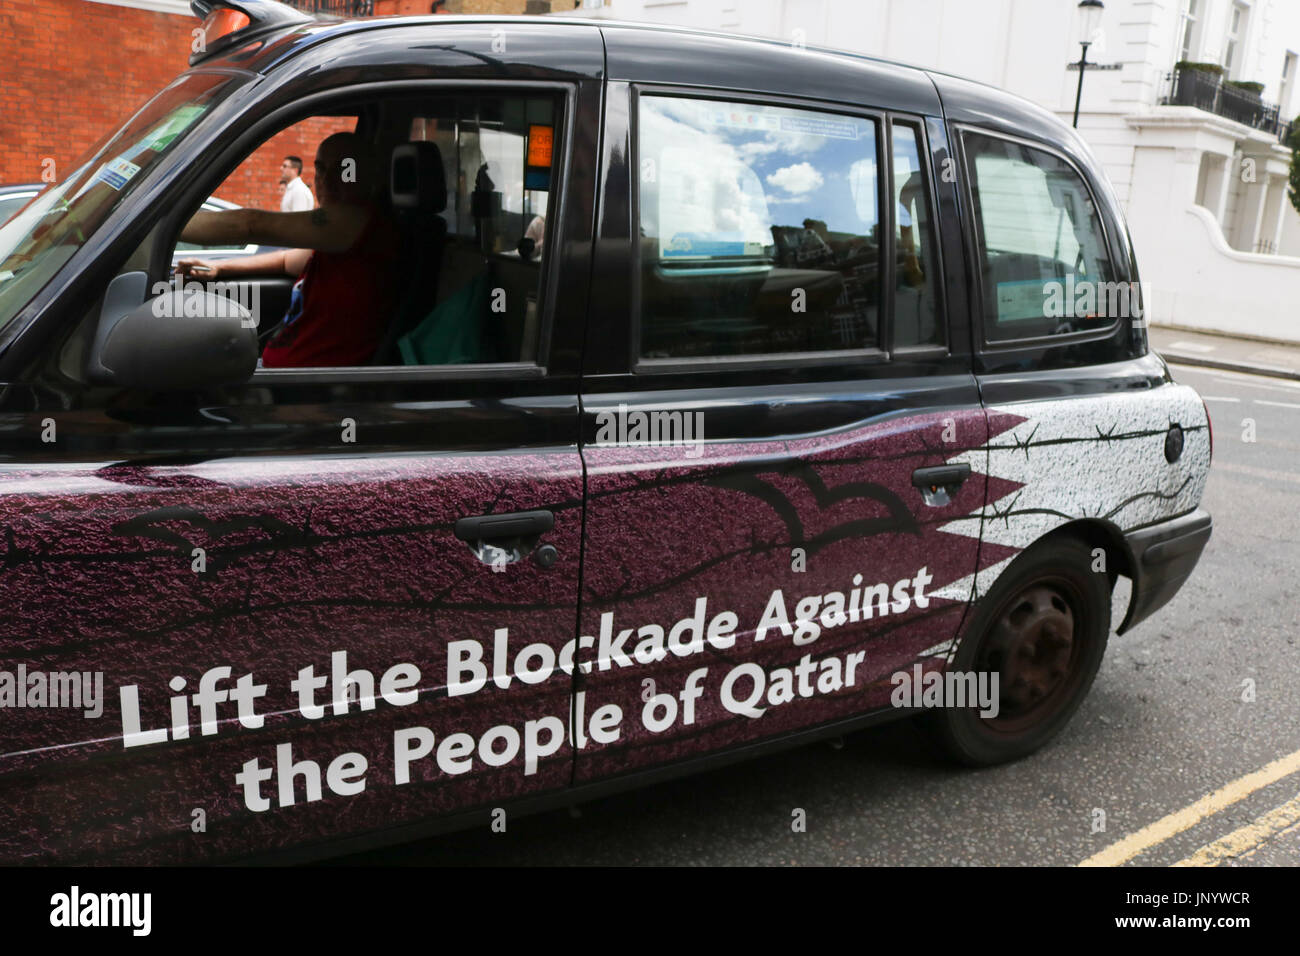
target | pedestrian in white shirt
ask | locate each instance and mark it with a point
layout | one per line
(297, 195)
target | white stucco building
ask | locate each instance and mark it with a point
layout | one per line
(1196, 162)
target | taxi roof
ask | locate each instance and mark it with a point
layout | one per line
(638, 53)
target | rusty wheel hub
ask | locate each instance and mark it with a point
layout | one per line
(1030, 648)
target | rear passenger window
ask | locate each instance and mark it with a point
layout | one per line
(759, 229)
(916, 311)
(1043, 258)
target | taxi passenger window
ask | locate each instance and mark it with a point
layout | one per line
(759, 229)
(1042, 252)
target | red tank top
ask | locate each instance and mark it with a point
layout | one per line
(347, 300)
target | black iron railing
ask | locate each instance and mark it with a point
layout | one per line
(1207, 91)
(335, 8)
(1242, 106)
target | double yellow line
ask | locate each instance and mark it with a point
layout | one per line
(1234, 844)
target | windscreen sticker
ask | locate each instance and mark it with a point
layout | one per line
(162, 137)
(768, 121)
(737, 118)
(820, 126)
(164, 134)
(116, 172)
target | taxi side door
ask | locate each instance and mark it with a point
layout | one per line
(783, 437)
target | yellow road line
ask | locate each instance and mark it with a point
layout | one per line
(1245, 839)
(1184, 819)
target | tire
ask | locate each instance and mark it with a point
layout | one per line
(1048, 593)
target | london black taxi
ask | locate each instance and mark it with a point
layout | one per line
(636, 400)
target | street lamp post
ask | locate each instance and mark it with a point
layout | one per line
(1089, 18)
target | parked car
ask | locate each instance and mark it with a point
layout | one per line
(14, 198)
(824, 400)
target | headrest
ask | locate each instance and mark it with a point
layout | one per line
(418, 180)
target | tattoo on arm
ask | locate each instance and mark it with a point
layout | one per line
(318, 217)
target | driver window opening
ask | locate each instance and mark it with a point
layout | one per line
(415, 233)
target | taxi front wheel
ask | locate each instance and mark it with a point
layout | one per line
(1042, 631)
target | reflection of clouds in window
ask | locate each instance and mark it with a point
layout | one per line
(710, 197)
(906, 163)
(504, 152)
(718, 172)
(793, 144)
(862, 184)
(751, 131)
(798, 179)
(757, 149)
(704, 188)
(1018, 212)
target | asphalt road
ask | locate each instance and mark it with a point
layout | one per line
(1164, 727)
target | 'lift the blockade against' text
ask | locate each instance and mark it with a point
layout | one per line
(472, 664)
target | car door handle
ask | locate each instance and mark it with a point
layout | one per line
(498, 540)
(938, 484)
(940, 475)
(519, 524)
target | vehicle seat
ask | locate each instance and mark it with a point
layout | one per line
(418, 193)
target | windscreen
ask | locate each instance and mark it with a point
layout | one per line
(40, 239)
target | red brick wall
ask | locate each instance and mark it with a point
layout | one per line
(393, 8)
(71, 71)
(256, 181)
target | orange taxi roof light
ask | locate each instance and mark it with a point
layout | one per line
(223, 22)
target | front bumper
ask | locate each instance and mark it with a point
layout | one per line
(1162, 557)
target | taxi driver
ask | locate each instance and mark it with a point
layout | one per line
(343, 254)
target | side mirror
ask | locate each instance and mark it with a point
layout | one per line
(171, 341)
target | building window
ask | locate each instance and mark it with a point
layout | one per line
(1288, 81)
(1187, 30)
(1232, 49)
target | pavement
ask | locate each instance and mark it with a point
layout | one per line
(1253, 356)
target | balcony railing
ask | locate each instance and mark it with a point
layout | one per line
(335, 8)
(1207, 91)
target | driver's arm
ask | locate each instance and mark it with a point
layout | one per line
(333, 229)
(290, 262)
